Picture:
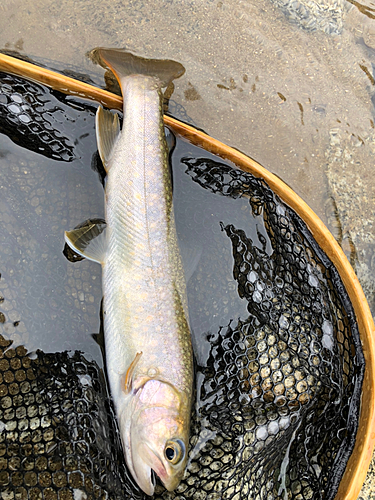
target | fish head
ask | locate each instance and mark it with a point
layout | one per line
(155, 431)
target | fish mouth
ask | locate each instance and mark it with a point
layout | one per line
(148, 484)
(158, 469)
(153, 478)
(146, 468)
(167, 483)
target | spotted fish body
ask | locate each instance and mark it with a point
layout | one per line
(147, 336)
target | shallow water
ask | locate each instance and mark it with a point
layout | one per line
(289, 83)
(261, 379)
(52, 304)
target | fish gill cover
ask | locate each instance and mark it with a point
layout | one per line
(277, 400)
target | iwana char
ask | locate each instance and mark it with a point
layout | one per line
(146, 327)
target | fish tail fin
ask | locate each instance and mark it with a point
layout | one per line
(123, 63)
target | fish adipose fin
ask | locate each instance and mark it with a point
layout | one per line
(128, 377)
(123, 63)
(107, 126)
(89, 240)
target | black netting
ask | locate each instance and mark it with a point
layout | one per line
(58, 438)
(279, 399)
(277, 402)
(26, 122)
(33, 119)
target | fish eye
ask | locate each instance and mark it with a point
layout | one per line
(174, 451)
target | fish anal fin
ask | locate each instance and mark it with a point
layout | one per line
(128, 377)
(107, 127)
(89, 240)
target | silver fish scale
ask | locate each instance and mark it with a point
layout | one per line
(142, 248)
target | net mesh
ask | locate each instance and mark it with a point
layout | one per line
(58, 438)
(27, 121)
(277, 401)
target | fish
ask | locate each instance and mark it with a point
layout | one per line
(148, 346)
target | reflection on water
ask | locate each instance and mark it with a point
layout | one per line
(54, 305)
(262, 387)
(312, 15)
(279, 362)
(253, 69)
(251, 66)
(22, 108)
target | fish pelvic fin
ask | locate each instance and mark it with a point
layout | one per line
(107, 126)
(89, 240)
(123, 63)
(128, 377)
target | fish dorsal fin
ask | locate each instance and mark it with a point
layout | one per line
(89, 240)
(107, 132)
(123, 63)
(128, 377)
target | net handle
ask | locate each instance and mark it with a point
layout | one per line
(359, 461)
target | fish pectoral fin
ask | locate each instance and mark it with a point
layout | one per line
(107, 127)
(128, 377)
(89, 240)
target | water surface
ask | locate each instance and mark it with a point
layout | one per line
(291, 84)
